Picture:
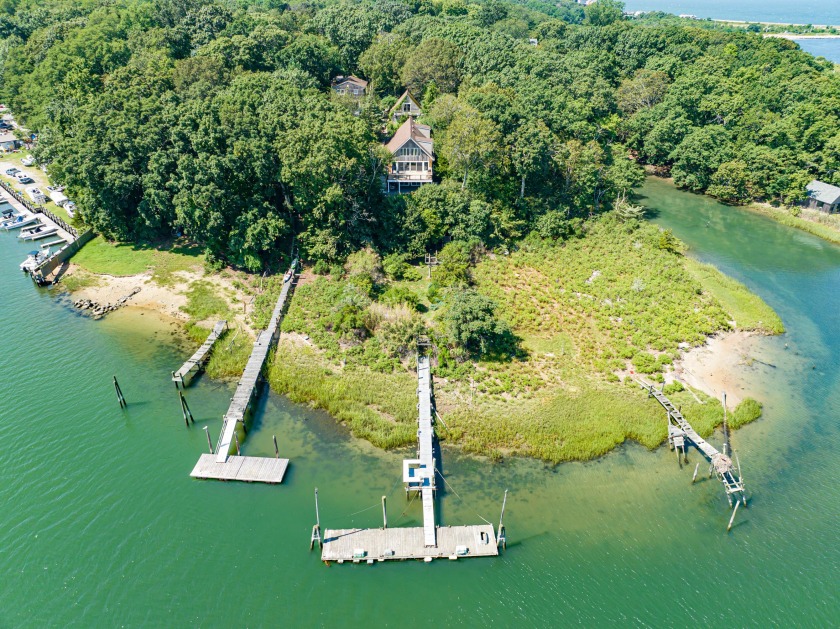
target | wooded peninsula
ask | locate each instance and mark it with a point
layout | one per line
(452, 169)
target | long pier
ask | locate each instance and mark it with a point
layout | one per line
(243, 397)
(197, 360)
(429, 541)
(719, 462)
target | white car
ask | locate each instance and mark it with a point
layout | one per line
(28, 160)
(24, 178)
(70, 208)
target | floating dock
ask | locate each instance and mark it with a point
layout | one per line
(197, 360)
(368, 545)
(429, 541)
(228, 467)
(250, 469)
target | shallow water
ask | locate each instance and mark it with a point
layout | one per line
(101, 523)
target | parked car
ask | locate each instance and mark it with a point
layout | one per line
(70, 208)
(24, 178)
(12, 171)
(28, 160)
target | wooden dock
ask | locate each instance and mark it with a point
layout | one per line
(251, 469)
(680, 430)
(247, 386)
(425, 436)
(429, 541)
(401, 544)
(198, 359)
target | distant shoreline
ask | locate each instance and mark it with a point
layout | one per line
(794, 36)
(721, 21)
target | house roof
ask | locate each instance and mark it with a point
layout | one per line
(341, 80)
(410, 130)
(823, 192)
(401, 99)
(7, 137)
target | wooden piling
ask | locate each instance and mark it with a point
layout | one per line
(276, 449)
(174, 380)
(188, 416)
(236, 441)
(209, 442)
(732, 519)
(500, 535)
(384, 514)
(120, 396)
(694, 478)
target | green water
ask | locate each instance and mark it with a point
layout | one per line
(100, 523)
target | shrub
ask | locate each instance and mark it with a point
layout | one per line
(471, 323)
(321, 268)
(644, 362)
(400, 295)
(395, 265)
(399, 338)
(674, 387)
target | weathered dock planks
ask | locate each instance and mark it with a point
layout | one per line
(247, 387)
(197, 360)
(400, 544)
(425, 435)
(249, 469)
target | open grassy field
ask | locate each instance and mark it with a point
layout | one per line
(102, 257)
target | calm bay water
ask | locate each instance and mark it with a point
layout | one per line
(804, 12)
(100, 523)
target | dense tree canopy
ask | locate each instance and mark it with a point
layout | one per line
(215, 119)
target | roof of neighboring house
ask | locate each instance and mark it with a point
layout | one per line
(410, 130)
(823, 192)
(401, 99)
(341, 80)
(8, 137)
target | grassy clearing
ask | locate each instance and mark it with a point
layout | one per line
(204, 301)
(749, 311)
(121, 259)
(821, 225)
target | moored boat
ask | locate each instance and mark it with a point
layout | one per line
(20, 221)
(36, 233)
(34, 259)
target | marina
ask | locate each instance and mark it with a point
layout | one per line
(428, 542)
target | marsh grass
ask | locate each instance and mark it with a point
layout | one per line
(378, 407)
(822, 226)
(749, 311)
(204, 301)
(78, 280)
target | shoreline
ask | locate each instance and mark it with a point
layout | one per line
(720, 365)
(717, 365)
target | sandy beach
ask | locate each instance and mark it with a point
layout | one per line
(167, 300)
(722, 364)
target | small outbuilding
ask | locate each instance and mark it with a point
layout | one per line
(823, 197)
(8, 142)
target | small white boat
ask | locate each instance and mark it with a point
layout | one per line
(21, 221)
(34, 259)
(8, 216)
(36, 233)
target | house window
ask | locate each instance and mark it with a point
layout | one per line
(407, 107)
(355, 91)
